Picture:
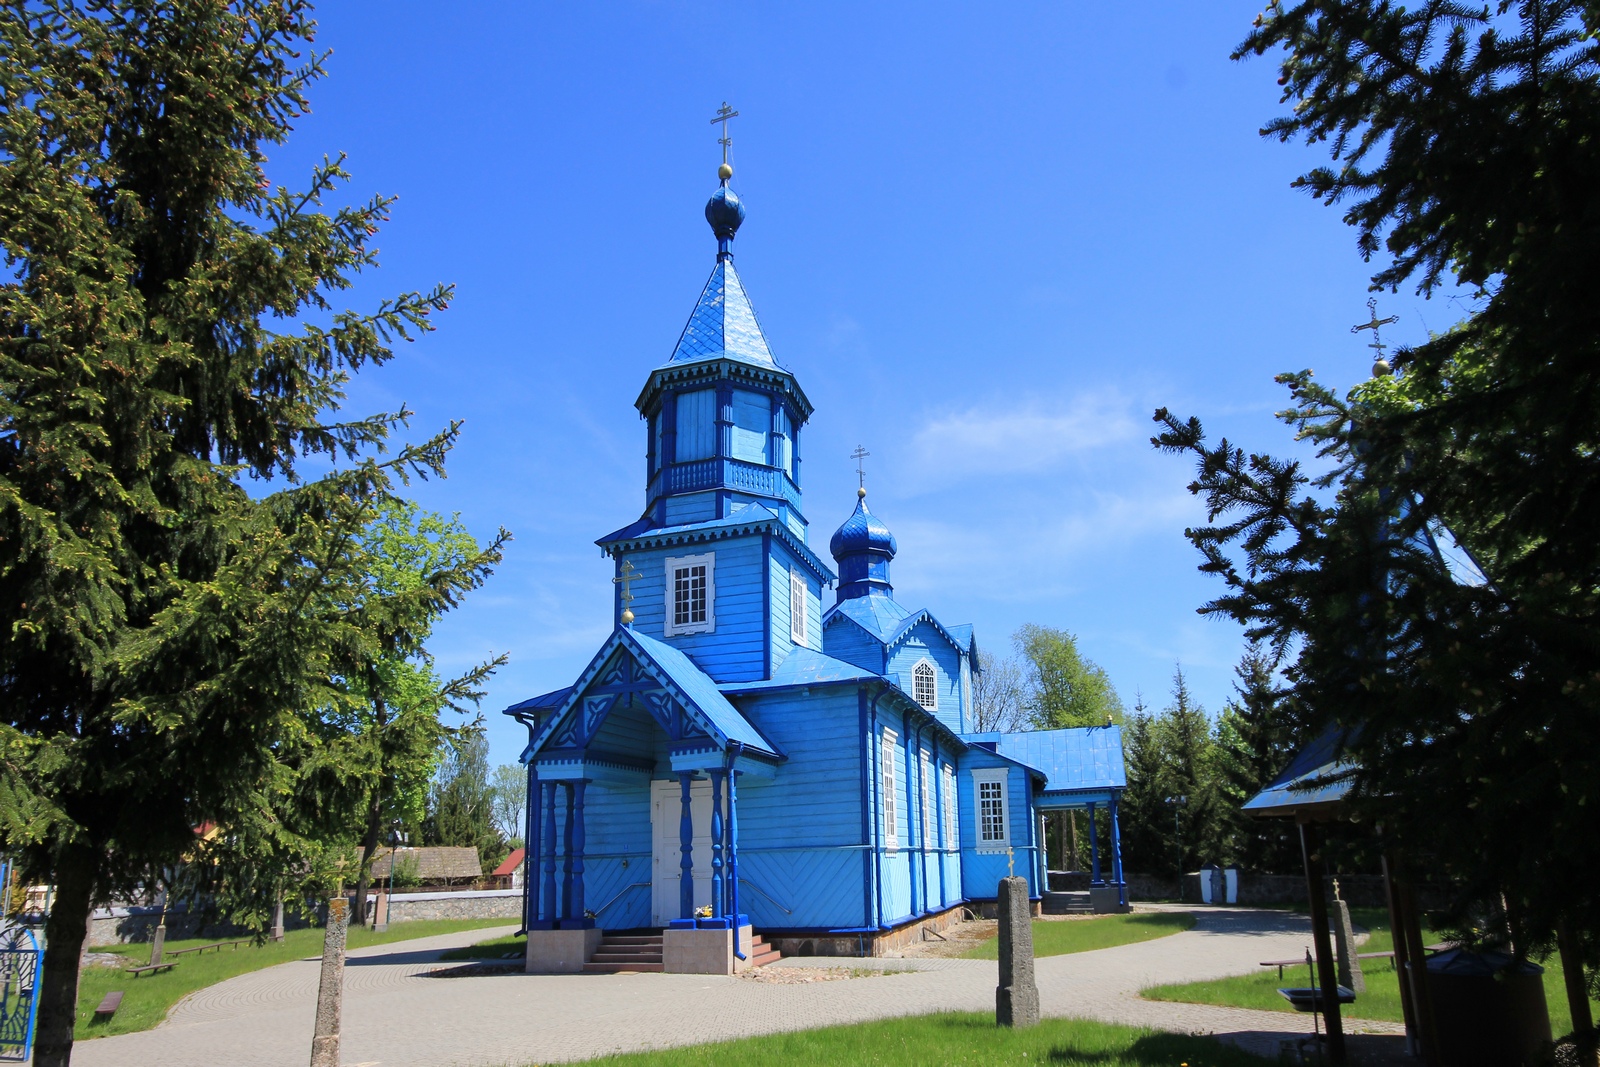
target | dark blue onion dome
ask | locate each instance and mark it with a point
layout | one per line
(863, 547)
(724, 212)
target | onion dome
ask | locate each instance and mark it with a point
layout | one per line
(725, 213)
(863, 547)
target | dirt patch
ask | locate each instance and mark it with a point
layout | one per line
(957, 940)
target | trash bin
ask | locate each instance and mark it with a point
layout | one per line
(1488, 1009)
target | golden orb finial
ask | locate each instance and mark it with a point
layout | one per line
(861, 493)
(725, 172)
(627, 617)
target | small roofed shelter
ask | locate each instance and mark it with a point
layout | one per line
(430, 865)
(1311, 790)
(1083, 770)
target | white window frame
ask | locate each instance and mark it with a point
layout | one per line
(670, 626)
(891, 802)
(952, 823)
(927, 808)
(991, 776)
(932, 674)
(799, 605)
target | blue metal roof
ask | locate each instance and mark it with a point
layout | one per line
(1088, 757)
(698, 687)
(1319, 775)
(723, 324)
(804, 666)
(751, 518)
(878, 615)
(705, 702)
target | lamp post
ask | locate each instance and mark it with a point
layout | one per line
(1177, 836)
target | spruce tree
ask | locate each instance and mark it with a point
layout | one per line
(1256, 739)
(173, 644)
(1465, 150)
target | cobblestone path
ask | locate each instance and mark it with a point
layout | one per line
(397, 1016)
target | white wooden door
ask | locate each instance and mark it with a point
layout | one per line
(666, 809)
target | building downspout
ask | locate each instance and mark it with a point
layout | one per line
(733, 840)
(875, 753)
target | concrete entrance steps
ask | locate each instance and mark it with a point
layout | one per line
(626, 952)
(1064, 902)
(760, 953)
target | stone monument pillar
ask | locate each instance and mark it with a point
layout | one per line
(330, 992)
(1344, 945)
(1016, 999)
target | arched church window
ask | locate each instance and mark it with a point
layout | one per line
(923, 689)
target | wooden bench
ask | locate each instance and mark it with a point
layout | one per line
(1281, 964)
(108, 1007)
(137, 971)
(219, 946)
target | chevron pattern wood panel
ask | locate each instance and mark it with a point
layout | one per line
(820, 887)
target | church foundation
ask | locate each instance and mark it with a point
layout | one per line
(560, 951)
(704, 951)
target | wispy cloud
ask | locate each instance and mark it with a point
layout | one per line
(1020, 439)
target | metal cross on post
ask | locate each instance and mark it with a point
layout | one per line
(724, 113)
(861, 474)
(624, 576)
(1380, 366)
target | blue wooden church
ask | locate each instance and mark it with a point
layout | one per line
(769, 743)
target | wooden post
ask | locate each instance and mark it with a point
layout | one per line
(1583, 1034)
(1327, 979)
(686, 847)
(1412, 918)
(330, 990)
(566, 854)
(1402, 956)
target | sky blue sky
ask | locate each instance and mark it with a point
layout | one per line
(989, 239)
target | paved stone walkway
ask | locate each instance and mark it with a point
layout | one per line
(397, 1016)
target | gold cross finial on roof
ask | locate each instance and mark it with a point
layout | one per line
(724, 113)
(625, 575)
(1380, 366)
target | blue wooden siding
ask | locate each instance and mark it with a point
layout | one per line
(689, 507)
(981, 872)
(926, 642)
(617, 827)
(800, 841)
(752, 425)
(736, 650)
(697, 427)
(844, 639)
(781, 563)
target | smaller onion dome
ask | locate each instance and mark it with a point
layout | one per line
(863, 547)
(724, 212)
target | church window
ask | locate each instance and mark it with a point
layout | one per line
(923, 690)
(952, 828)
(697, 425)
(994, 824)
(752, 415)
(797, 607)
(927, 809)
(691, 583)
(783, 448)
(891, 806)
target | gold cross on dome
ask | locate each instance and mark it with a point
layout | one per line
(624, 576)
(1374, 324)
(724, 113)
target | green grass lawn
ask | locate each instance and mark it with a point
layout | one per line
(1380, 1002)
(1057, 937)
(953, 1040)
(149, 997)
(494, 949)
